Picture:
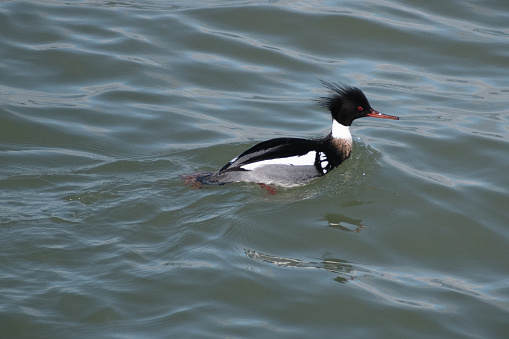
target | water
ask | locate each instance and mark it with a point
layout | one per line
(104, 106)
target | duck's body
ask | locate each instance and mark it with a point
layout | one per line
(294, 161)
(284, 161)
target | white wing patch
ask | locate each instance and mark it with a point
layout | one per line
(307, 159)
(323, 162)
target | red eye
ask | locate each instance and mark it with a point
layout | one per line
(360, 108)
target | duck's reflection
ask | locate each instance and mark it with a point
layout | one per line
(397, 287)
(347, 271)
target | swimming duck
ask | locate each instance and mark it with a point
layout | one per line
(295, 161)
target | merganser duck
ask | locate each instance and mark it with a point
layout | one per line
(294, 161)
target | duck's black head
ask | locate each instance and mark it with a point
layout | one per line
(348, 103)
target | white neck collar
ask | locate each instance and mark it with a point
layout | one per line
(340, 131)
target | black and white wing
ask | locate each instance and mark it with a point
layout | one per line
(280, 151)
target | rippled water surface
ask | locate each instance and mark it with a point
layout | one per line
(105, 105)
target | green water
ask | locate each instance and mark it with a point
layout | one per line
(105, 106)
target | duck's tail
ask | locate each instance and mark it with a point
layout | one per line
(196, 180)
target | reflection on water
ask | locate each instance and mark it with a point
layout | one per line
(346, 270)
(344, 223)
(400, 287)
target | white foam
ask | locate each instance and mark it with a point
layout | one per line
(307, 159)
